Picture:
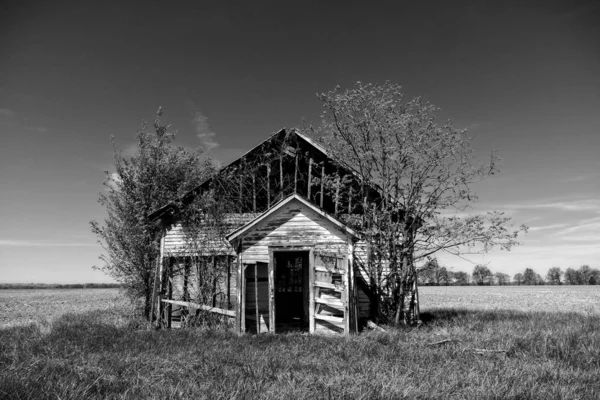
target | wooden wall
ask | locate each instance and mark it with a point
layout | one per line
(293, 224)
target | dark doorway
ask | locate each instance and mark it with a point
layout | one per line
(291, 290)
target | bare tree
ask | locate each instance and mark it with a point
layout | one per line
(414, 173)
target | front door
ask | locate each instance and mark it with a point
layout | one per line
(291, 290)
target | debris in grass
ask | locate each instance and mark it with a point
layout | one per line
(443, 342)
(486, 351)
(373, 326)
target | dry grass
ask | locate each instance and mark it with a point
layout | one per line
(579, 299)
(460, 353)
(23, 306)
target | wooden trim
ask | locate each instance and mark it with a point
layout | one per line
(244, 299)
(311, 288)
(346, 294)
(256, 298)
(239, 305)
(271, 269)
(352, 288)
(169, 308)
(295, 246)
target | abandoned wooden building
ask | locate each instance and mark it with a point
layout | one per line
(283, 255)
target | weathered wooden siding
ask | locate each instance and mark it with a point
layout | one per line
(293, 224)
(207, 241)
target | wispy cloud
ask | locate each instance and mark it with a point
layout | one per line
(39, 243)
(583, 177)
(547, 227)
(5, 112)
(591, 225)
(203, 131)
(39, 129)
(10, 117)
(556, 204)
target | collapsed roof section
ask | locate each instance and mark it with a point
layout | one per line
(287, 162)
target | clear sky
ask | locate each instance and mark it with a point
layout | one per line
(523, 76)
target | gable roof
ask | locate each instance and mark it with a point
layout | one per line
(156, 214)
(244, 229)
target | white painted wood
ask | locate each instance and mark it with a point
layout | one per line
(188, 304)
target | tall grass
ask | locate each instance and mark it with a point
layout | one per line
(102, 355)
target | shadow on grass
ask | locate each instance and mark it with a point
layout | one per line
(455, 315)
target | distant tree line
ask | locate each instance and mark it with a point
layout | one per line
(60, 285)
(434, 274)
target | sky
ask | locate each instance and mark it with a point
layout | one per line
(523, 77)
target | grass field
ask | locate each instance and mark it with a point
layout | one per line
(473, 350)
(579, 299)
(22, 306)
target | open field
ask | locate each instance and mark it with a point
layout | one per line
(22, 306)
(483, 351)
(581, 299)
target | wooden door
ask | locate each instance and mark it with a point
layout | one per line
(329, 301)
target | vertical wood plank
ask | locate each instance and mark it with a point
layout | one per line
(346, 295)
(322, 183)
(271, 291)
(281, 176)
(296, 174)
(352, 288)
(268, 186)
(244, 300)
(256, 297)
(310, 162)
(169, 307)
(254, 193)
(350, 278)
(240, 203)
(238, 294)
(311, 288)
